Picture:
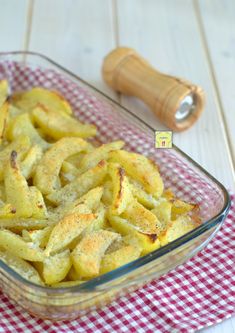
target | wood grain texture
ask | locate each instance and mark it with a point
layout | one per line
(168, 36)
(218, 23)
(13, 24)
(76, 34)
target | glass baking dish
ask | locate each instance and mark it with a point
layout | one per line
(185, 177)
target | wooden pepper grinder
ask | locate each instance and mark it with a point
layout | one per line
(176, 102)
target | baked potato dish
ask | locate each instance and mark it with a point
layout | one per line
(71, 211)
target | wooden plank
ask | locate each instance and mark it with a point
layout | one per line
(218, 25)
(166, 33)
(76, 34)
(13, 24)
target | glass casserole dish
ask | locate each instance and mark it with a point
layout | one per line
(186, 178)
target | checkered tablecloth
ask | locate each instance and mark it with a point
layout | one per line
(195, 295)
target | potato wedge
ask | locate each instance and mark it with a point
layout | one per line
(22, 125)
(182, 225)
(68, 171)
(86, 204)
(141, 195)
(163, 213)
(21, 146)
(47, 172)
(55, 268)
(57, 125)
(120, 257)
(87, 255)
(107, 196)
(38, 205)
(29, 163)
(18, 247)
(51, 99)
(20, 224)
(180, 207)
(4, 109)
(21, 267)
(38, 237)
(122, 194)
(17, 190)
(146, 242)
(141, 169)
(91, 200)
(4, 88)
(73, 275)
(83, 183)
(101, 153)
(99, 221)
(142, 218)
(68, 229)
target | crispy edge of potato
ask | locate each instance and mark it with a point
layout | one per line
(122, 194)
(140, 168)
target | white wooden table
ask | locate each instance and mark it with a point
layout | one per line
(191, 39)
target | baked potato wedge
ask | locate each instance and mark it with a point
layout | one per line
(16, 187)
(67, 230)
(140, 168)
(57, 125)
(120, 257)
(46, 176)
(101, 153)
(83, 183)
(21, 146)
(142, 218)
(56, 267)
(21, 266)
(163, 212)
(29, 163)
(38, 237)
(121, 191)
(147, 242)
(87, 255)
(180, 207)
(4, 88)
(21, 223)
(17, 246)
(22, 125)
(4, 110)
(177, 228)
(51, 99)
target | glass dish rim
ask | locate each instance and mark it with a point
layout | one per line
(91, 285)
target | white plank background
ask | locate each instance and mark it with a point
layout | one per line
(194, 39)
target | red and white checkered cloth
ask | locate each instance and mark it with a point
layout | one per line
(195, 295)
